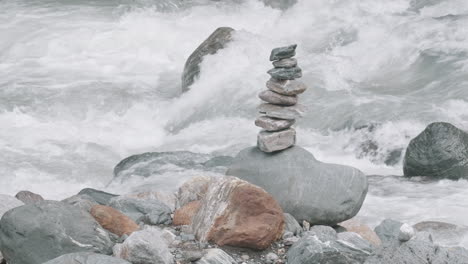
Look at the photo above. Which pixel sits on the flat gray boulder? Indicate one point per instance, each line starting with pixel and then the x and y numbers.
pixel 151 212
pixel 216 41
pixel 86 258
pixel 440 151
pixel 323 245
pixel 35 233
pixel 308 189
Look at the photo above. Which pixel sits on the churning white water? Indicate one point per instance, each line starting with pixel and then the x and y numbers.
pixel 85 83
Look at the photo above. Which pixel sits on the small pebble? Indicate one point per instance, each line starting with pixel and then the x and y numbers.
pixel 406 233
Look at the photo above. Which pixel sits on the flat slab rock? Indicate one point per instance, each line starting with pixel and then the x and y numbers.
pixel 286 73
pixel 286 87
pixel 306 188
pixel 283 52
pixel 273 124
pixel 281 112
pixel 277 99
pixel 285 63
pixel 276 141
pixel 237 213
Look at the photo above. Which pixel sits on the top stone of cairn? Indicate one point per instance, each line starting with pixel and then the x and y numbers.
pixel 283 52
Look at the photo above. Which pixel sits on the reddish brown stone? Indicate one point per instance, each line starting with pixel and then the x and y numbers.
pixel 113 220
pixel 361 229
pixel 184 215
pixel 237 213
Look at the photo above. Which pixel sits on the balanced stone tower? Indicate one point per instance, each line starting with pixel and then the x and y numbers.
pixel 280 110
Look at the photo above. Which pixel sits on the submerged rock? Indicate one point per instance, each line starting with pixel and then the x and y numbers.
pixel 149 212
pixel 237 213
pixel 28 197
pixel 35 233
pixel 113 220
pixel 216 41
pixel 440 151
pixel 322 245
pixel 275 141
pixel 155 163
pixel 86 258
pixel 308 189
pixel 443 233
pixel 280 4
pixel 145 247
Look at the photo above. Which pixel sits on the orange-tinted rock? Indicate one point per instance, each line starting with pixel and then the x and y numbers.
pixel 237 213
pixel 361 229
pixel 113 220
pixel 185 214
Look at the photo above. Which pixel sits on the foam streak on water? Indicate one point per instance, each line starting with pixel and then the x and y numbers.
pixel 86 83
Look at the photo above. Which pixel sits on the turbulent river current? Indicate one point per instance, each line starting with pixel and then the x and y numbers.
pixel 86 83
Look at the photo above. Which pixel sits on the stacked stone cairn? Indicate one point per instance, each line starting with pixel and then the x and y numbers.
pixel 280 110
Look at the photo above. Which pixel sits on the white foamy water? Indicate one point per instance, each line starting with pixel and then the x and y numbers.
pixel 84 84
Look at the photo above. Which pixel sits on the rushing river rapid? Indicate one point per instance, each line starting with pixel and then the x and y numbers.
pixel 86 83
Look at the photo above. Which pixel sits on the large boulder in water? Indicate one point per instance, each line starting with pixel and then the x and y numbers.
pixel 216 41
pixel 308 189
pixel 35 233
pixel 86 258
pixel 440 151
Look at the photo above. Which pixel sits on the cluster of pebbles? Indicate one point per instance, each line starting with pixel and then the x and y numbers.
pixel 280 109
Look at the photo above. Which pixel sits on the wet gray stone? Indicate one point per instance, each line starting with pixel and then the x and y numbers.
pixel 440 151
pixel 285 63
pixel 35 233
pixel 291 224
pixel 325 246
pixel 84 202
pixel 86 258
pixel 100 197
pixel 283 52
pixel 277 99
pixel 151 212
pixel 286 87
pixel 216 41
pixel 275 141
pixel 273 124
pixel 216 256
pixel 281 112
pixel 388 230
pixel 443 233
pixel 308 189
pixel 286 73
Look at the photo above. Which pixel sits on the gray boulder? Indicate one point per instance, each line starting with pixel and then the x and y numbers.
pixel 419 250
pixel 275 141
pixel 28 197
pixel 145 247
pixel 216 41
pixel 388 230
pixel 151 212
pixel 8 202
pixel 86 258
pixel 440 151
pixel 323 245
pixel 283 52
pixel 35 233
pixel 308 189
pixel 216 256
pixel 100 197
pixel 82 201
